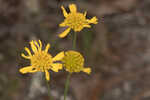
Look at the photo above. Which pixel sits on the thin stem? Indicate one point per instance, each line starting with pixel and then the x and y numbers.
pixel 74 40
pixel 67 85
pixel 48 87
pixel 69 75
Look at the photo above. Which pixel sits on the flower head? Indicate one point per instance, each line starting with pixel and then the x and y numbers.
pixel 75 20
pixel 74 62
pixel 41 60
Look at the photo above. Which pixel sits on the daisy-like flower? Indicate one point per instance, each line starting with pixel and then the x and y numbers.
pixel 41 60
pixel 74 62
pixel 75 20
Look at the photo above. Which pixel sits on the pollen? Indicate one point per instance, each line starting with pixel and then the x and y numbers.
pixel 45 61
pixel 74 62
pixel 76 21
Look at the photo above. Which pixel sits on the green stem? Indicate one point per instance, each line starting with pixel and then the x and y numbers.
pixel 69 75
pixel 74 40
pixel 48 87
pixel 67 85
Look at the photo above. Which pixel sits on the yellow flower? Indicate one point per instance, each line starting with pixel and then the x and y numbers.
pixel 75 20
pixel 74 62
pixel 41 60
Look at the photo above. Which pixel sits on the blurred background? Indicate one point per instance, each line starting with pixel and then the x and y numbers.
pixel 117 49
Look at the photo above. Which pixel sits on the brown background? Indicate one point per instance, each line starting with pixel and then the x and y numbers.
pixel 117 49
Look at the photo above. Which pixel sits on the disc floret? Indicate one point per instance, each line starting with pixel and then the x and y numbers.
pixel 74 62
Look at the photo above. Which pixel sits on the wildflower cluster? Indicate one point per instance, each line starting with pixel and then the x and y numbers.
pixel 71 60
pixel 43 61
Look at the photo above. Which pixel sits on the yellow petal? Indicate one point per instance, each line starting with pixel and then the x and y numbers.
pixel 33 70
pixel 26 57
pixel 28 51
pixel 78 29
pixel 47 47
pixel 63 34
pixel 87 70
pixel 56 67
pixel 26 69
pixel 63 24
pixel 36 44
pixel 85 14
pixel 34 48
pixel 47 75
pixel 59 56
pixel 64 11
pixel 88 26
pixel 93 20
pixel 73 8
pixel 40 44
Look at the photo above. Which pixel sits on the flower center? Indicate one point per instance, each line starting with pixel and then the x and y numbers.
pixel 76 21
pixel 73 61
pixel 41 60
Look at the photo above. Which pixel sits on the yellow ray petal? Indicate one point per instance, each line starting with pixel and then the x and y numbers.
pixel 59 56
pixel 88 26
pixel 73 8
pixel 56 67
pixel 87 70
pixel 40 45
pixel 26 69
pixel 33 70
pixel 78 29
pixel 63 24
pixel 64 11
pixel 47 47
pixel 93 20
pixel 85 13
pixel 28 51
pixel 47 75
pixel 37 45
pixel 34 48
pixel 63 34
pixel 26 57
